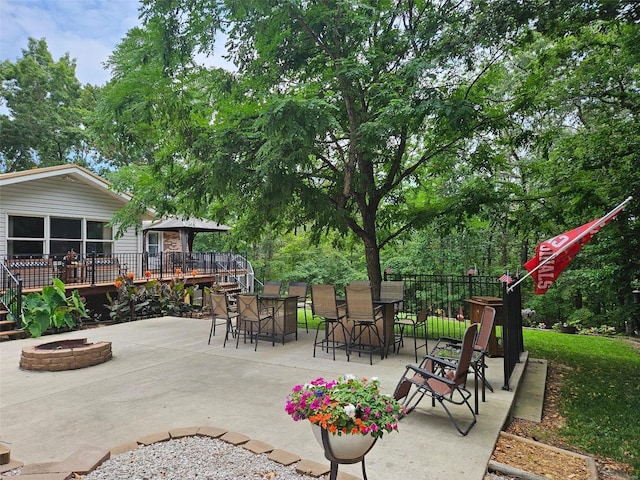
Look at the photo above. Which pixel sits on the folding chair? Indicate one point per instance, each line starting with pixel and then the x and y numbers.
pixel 251 319
pixel 325 306
pixel 220 310
pixel 442 380
pixel 446 345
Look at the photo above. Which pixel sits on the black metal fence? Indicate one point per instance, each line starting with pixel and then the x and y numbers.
pixel 446 298
pixel 512 340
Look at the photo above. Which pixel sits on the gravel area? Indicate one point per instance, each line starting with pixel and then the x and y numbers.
pixel 202 458
pixel 191 458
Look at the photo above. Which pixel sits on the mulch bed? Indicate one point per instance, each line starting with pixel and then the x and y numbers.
pixel 539 461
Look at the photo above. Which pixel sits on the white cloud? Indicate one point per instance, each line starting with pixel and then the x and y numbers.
pixel 88 30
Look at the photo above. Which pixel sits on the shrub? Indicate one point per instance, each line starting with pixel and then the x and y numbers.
pixel 52 309
pixel 152 299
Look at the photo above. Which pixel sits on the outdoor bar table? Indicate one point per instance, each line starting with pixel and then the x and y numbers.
pixel 385 326
pixel 285 310
pixel 388 314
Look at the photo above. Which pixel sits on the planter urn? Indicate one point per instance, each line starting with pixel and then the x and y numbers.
pixel 343 449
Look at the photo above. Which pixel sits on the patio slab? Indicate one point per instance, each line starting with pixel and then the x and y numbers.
pixel 164 377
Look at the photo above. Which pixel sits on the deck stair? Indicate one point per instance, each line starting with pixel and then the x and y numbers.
pixel 7 327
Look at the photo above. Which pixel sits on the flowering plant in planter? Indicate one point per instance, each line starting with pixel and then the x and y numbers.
pixel 346 406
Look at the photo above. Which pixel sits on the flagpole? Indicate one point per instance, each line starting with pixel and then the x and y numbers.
pixel 600 223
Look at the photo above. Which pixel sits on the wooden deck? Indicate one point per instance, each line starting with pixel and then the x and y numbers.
pixel 102 288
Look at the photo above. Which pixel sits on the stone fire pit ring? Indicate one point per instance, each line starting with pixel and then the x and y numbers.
pixel 65 355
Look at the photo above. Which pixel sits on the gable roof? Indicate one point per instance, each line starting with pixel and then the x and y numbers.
pixel 73 172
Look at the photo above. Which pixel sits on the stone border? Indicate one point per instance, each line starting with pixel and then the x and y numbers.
pixel 592 471
pixel 87 458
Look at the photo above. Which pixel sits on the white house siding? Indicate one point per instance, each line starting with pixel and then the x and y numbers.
pixel 61 197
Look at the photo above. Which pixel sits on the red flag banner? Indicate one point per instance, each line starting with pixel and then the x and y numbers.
pixel 553 255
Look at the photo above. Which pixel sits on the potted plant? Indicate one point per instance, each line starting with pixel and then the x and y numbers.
pixel 347 415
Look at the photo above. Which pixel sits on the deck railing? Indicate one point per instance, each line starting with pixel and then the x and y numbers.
pixel 36 272
pixel 11 294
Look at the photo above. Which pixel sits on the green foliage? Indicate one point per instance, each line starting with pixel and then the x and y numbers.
pixel 342 116
pixel 152 299
pixel 582 318
pixel 48 112
pixel 52 309
pixel 599 395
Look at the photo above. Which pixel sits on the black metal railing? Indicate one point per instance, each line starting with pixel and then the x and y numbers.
pixel 446 297
pixel 36 272
pixel 11 295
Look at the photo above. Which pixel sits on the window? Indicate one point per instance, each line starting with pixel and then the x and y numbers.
pixel 99 238
pixel 153 243
pixel 26 236
pixel 66 234
pixel 29 237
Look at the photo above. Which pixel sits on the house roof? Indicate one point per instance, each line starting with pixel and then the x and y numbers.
pixel 191 224
pixel 74 173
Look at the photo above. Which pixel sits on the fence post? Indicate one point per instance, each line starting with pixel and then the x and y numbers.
pixel 511 330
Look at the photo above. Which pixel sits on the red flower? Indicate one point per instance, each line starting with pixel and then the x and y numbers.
pixel 130 275
pixel 147 274
pixel 118 283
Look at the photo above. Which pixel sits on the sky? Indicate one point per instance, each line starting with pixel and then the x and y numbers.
pixel 89 30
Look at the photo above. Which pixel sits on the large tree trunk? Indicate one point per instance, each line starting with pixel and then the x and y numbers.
pixel 372 253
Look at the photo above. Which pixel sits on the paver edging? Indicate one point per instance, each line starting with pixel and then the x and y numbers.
pixel 282 457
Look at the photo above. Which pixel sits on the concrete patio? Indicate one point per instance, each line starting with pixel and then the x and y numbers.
pixel 165 376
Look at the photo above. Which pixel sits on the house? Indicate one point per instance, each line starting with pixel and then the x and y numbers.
pixel 48 212
pixel 55 222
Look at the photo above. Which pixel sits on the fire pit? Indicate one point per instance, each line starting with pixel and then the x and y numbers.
pixel 65 355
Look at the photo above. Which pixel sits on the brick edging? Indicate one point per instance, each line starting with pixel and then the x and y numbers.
pixel 87 458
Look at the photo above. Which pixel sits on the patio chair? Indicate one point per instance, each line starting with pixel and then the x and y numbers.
pixel 365 336
pixel 252 319
pixel 301 290
pixel 221 310
pixel 441 379
pixel 449 347
pixel 325 306
pixel 419 329
pixel 271 289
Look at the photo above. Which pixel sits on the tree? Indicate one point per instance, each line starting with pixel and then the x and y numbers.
pixel 47 111
pixel 342 115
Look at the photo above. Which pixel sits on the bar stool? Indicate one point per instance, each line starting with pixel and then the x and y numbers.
pixel 325 306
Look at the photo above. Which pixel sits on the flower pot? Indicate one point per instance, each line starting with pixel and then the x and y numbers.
pixel 343 448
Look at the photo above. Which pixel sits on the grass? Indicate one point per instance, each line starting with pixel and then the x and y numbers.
pixel 600 395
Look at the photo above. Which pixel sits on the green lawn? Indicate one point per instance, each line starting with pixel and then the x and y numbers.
pixel 600 396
